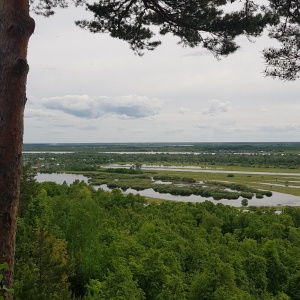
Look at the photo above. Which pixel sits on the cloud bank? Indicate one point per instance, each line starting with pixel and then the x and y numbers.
pixel 87 107
pixel 216 106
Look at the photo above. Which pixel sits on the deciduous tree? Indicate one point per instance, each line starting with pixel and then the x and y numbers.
pixel 195 22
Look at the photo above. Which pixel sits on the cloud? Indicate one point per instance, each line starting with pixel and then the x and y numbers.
pixel 37 113
pixel 58 119
pixel 184 110
pixel 283 128
pixel 216 106
pixel 46 116
pixel 197 53
pixel 86 107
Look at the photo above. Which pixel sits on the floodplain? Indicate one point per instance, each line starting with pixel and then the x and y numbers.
pixel 218 171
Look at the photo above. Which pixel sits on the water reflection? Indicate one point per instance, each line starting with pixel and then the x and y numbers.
pixel 275 200
pixel 60 177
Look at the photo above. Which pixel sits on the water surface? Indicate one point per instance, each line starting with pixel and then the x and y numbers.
pixel 275 200
pixel 60 177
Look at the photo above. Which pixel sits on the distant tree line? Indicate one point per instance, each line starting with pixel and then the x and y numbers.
pixel 90 161
pixel 167 147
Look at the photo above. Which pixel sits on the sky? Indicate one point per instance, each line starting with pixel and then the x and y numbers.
pixel 91 88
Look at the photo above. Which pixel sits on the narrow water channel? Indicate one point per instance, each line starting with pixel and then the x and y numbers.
pixel 275 200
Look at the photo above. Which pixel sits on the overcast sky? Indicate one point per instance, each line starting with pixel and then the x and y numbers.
pixel 85 87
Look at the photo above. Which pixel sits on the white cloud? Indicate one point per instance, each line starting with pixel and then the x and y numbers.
pixel 216 106
pixel 184 110
pixel 87 107
pixel 37 113
pixel 201 52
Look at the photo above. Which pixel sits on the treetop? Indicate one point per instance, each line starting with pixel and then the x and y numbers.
pixel 212 24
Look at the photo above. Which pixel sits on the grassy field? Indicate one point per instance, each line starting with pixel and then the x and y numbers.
pixel 262 181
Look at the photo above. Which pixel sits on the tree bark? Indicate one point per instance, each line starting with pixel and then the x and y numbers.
pixel 16 27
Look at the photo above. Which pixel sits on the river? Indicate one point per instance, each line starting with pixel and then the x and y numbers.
pixel 277 199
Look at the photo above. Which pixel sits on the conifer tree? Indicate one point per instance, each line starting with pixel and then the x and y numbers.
pixel 197 23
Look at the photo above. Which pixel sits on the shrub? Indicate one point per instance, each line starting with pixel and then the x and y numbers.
pixel 244 202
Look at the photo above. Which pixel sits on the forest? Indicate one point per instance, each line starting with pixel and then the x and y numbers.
pixel 74 242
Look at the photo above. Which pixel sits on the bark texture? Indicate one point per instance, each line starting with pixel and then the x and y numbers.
pixel 16 27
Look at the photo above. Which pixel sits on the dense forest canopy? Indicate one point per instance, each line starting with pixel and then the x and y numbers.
pixel 73 240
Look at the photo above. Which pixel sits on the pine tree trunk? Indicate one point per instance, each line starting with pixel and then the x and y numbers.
pixel 16 27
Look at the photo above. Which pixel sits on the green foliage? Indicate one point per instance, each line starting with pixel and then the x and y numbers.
pixel 3 287
pixel 174 179
pixel 195 23
pixel 42 264
pixel 77 166
pixel 283 62
pixel 123 170
pixel 244 202
pixel 117 285
pixel 76 242
pixel 185 186
pixel 28 188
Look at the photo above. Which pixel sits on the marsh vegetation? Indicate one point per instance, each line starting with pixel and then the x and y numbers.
pixel 220 171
